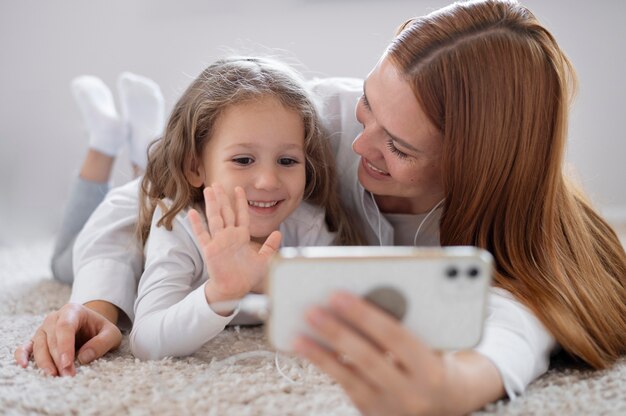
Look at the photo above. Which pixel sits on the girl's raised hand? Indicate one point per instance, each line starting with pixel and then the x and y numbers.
pixel 233 264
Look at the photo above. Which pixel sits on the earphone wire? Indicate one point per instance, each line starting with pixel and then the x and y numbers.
pixel 424 220
pixel 380 237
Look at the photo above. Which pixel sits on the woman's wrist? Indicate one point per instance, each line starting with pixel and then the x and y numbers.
pixel 471 381
pixel 104 308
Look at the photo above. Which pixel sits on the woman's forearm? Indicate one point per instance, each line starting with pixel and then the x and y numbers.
pixel 472 382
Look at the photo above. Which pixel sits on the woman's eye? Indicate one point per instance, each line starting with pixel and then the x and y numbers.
pixel 287 161
pixel 393 149
pixel 366 103
pixel 243 160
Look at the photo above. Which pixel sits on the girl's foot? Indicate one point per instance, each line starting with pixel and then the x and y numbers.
pixel 107 132
pixel 143 109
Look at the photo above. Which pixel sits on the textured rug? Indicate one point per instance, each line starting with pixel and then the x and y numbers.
pixel 235 374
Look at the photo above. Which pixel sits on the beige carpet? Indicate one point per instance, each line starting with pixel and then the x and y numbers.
pixel 215 381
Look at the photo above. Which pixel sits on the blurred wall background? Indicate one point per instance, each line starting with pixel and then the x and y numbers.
pixel 43 45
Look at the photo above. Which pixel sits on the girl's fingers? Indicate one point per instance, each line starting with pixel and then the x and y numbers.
pixel 359 391
pixel 41 354
pixel 228 216
pixel 383 329
pixel 374 365
pixel 271 244
pixel 198 228
pixel 213 216
pixel 23 353
pixel 241 204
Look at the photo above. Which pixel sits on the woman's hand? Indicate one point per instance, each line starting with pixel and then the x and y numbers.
pixel 72 327
pixel 235 266
pixel 386 370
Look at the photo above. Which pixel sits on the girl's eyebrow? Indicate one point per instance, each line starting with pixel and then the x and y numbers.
pixel 287 146
pixel 395 138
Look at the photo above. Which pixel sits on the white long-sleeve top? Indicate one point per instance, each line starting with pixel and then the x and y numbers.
pixel 107 262
pixel 172 316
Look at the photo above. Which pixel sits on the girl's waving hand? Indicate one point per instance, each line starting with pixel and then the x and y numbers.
pixel 234 265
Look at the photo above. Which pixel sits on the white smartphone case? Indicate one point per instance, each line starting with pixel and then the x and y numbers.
pixel 439 294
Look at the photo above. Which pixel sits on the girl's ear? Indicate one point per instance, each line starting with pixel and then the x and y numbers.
pixel 194 173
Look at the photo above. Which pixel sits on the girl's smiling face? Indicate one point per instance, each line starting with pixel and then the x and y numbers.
pixel 258 145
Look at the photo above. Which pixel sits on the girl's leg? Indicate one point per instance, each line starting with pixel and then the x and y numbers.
pixel 141 121
pixel 85 196
pixel 107 134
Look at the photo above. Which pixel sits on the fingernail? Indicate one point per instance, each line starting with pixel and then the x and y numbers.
pixel 341 301
pixel 49 371
pixel 65 360
pixel 87 356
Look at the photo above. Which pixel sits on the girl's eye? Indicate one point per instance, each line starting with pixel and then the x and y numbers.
pixel 287 161
pixel 393 149
pixel 244 161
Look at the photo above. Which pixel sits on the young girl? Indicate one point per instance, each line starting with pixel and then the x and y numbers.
pixel 245 131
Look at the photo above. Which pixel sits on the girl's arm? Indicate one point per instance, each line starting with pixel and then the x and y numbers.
pixel 176 307
pixel 172 315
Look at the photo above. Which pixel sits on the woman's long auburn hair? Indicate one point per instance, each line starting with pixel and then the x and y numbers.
pixel 498 87
pixel 225 83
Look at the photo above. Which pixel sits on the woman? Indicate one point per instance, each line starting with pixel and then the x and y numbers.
pixel 463 126
pixel 469 105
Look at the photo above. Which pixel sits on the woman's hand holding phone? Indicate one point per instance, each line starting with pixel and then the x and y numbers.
pixel 385 369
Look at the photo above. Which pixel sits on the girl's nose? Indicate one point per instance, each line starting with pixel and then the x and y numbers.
pixel 267 179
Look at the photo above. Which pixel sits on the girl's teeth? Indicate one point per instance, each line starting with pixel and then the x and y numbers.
pixel 262 204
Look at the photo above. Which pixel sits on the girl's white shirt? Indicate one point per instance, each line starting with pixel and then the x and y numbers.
pixel 108 263
pixel 172 316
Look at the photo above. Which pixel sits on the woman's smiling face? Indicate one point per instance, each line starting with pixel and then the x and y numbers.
pixel 400 148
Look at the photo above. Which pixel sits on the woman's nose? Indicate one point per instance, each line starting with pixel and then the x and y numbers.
pixel 365 145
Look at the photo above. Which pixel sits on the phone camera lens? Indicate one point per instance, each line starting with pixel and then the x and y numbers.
pixel 452 272
pixel 473 272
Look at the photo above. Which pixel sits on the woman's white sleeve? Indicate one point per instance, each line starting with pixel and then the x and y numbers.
pixel 172 316
pixel 515 341
pixel 107 258
pixel 337 98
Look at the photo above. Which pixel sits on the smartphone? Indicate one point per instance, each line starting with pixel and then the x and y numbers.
pixel 439 294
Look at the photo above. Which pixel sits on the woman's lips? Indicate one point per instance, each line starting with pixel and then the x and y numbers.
pixel 373 170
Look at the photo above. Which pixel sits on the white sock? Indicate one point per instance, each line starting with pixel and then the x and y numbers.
pixel 107 132
pixel 143 109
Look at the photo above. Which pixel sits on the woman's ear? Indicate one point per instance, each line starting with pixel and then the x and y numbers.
pixel 194 173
